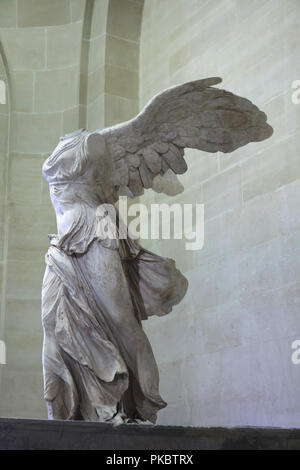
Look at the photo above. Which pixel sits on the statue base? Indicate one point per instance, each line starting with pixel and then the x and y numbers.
pixel 34 434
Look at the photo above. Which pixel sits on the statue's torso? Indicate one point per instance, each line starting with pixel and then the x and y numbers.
pixel 75 192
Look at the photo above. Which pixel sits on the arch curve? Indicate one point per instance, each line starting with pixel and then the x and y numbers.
pixel 109 82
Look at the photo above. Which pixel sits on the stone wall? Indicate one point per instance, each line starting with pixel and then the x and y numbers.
pixel 42 44
pixel 110 62
pixel 225 353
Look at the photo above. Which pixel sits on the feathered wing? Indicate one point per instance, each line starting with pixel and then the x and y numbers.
pixel 194 115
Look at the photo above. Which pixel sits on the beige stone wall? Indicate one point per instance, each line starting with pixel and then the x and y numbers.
pixel 92 72
pixel 225 353
pixel 122 60
pixel 110 62
pixel 42 43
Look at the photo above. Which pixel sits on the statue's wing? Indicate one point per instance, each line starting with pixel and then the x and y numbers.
pixel 193 115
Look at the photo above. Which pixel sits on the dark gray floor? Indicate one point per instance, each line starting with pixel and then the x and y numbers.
pixel 38 434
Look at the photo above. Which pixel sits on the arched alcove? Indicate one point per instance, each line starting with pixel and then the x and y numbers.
pixel 124 22
pixel 109 85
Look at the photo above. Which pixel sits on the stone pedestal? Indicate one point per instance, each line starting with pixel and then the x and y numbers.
pixel 40 434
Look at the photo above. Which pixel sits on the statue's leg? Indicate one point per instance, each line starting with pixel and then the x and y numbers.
pixel 60 394
pixel 102 269
pixel 84 373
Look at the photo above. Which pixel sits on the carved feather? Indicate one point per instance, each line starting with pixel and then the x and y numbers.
pixel 194 115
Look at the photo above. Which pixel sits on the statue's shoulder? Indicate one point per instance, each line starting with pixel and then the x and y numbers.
pixel 68 156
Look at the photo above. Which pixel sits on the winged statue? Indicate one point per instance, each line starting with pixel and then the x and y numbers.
pixel 98 364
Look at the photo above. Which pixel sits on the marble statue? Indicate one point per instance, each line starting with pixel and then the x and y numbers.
pixel 98 363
